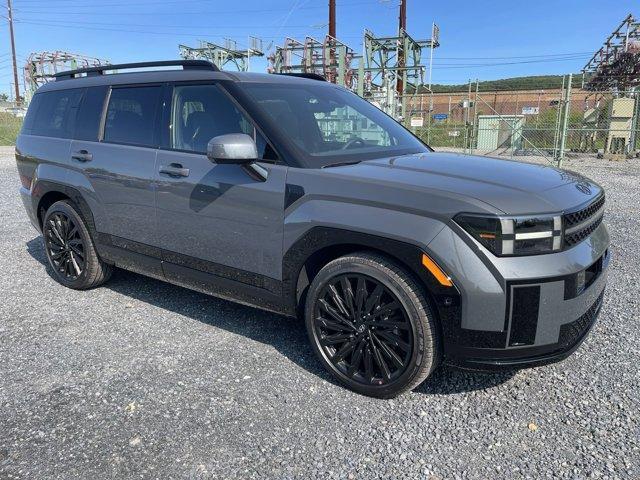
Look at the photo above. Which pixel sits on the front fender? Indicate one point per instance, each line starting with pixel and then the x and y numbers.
pixel 371 219
pixel 320 223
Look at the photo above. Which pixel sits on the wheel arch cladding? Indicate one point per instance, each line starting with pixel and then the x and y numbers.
pixel 46 201
pixel 320 245
pixel 46 193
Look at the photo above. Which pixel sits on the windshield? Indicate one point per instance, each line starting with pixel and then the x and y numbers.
pixel 329 125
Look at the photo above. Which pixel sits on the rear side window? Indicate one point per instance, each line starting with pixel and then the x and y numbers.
pixel 53 114
pixel 90 114
pixel 131 115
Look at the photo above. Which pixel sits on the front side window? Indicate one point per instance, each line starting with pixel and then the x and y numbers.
pixel 330 125
pixel 202 112
pixel 131 115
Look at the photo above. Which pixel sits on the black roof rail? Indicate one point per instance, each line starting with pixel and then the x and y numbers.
pixel 311 76
pixel 99 70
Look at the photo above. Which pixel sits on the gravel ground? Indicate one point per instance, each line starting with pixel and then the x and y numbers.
pixel 140 379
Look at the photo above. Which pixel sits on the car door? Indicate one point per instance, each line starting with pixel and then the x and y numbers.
pixel 220 219
pixel 120 163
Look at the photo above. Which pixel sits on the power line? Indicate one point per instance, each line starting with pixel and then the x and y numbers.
pixel 120 24
pixel 516 56
pixel 146 32
pixel 295 5
pixel 82 2
pixel 474 65
pixel 101 12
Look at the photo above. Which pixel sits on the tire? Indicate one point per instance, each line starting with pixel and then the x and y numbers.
pixel 392 324
pixel 70 250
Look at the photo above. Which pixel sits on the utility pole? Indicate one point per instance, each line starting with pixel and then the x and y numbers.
pixel 474 133
pixel 565 120
pixel 248 53
pixel 467 108
pixel 556 138
pixel 332 34
pixel 332 18
pixel 13 52
pixel 403 15
pixel 402 27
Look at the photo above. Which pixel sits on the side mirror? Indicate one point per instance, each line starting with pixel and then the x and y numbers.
pixel 236 148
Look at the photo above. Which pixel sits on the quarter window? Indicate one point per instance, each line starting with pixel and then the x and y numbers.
pixel 54 113
pixel 131 115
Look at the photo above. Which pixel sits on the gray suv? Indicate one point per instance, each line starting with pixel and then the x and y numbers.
pixel 291 194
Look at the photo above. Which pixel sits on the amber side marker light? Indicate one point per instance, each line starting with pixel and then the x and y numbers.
pixel 436 271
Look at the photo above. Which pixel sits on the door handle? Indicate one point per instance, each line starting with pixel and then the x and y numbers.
pixel 174 170
pixel 82 156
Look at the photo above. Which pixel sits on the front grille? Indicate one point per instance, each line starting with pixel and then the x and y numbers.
pixel 571 333
pixel 571 219
pixel 571 239
pixel 589 217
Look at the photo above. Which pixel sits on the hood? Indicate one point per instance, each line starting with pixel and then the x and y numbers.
pixel 509 186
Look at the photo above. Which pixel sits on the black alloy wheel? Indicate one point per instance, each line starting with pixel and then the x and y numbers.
pixel 64 246
pixel 363 329
pixel 70 249
pixel 371 325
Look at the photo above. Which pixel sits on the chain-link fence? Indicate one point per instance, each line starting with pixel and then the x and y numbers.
pixel 604 123
pixel 550 124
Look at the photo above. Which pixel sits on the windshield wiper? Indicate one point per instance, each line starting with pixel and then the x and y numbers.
pixel 341 164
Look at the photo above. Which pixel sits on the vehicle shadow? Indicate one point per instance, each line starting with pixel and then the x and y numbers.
pixel 448 380
pixel 287 335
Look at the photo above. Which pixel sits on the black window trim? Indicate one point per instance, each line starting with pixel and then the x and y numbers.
pixel 105 99
pixel 165 143
pixel 156 116
pixel 103 115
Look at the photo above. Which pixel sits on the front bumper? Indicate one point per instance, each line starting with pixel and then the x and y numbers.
pixel 521 311
pixel 571 337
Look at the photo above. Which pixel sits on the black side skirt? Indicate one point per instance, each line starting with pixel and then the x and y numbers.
pixel 207 277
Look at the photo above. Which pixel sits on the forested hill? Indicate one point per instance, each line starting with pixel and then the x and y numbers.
pixel 539 82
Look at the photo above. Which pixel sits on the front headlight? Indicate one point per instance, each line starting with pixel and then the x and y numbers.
pixel 521 235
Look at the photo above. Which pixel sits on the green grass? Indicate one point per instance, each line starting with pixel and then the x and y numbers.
pixel 9 128
pixel 438 135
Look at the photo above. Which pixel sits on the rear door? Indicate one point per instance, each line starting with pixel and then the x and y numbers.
pixel 220 219
pixel 116 152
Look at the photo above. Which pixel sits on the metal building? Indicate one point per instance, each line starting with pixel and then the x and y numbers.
pixel 499 131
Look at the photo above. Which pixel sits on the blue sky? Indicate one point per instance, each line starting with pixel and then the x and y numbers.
pixel 483 39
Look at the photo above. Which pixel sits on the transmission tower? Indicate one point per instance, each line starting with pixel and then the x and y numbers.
pixel 616 66
pixel 40 67
pixel 391 69
pixel 225 56
pixel 330 58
